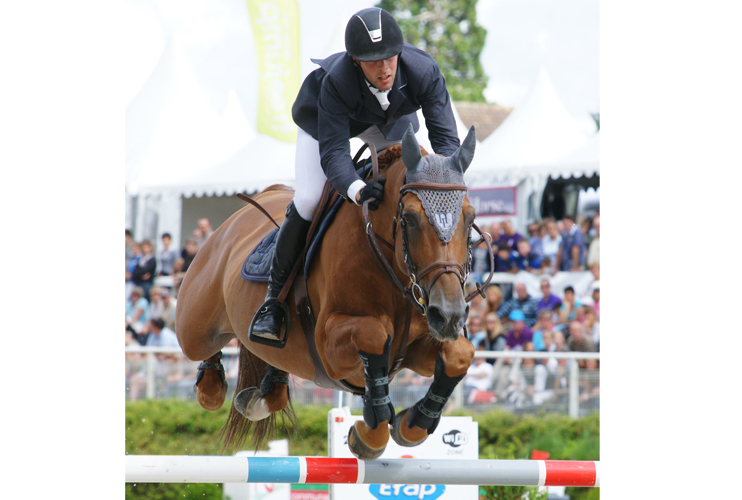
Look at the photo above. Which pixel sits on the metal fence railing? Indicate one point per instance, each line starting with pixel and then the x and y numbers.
pixel 520 382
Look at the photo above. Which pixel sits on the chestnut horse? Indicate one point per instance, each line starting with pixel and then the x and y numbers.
pixel 360 312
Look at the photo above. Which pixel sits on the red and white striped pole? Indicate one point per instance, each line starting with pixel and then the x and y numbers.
pixel 228 469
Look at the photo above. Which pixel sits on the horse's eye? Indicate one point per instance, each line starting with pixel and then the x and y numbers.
pixel 409 219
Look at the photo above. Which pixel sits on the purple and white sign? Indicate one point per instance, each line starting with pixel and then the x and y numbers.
pixel 494 200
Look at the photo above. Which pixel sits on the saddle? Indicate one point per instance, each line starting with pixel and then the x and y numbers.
pixel 257 268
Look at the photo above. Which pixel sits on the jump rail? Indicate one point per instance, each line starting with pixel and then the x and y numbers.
pixel 229 469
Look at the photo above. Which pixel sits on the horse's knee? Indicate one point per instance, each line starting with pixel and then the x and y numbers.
pixel 458 356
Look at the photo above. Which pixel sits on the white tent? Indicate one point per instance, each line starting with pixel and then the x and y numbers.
pixel 538 140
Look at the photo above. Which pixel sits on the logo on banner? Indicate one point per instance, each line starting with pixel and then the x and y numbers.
pixel 455 438
pixel 407 491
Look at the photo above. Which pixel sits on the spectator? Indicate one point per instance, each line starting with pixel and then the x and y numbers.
pixel 551 241
pixel 496 339
pixel 560 342
pixel 480 259
pixel 137 311
pixel 592 326
pixel 167 256
pixel 128 241
pixel 493 301
pixel 523 302
pixel 205 227
pixel 478 381
pixel 586 226
pixel 526 259
pixel 136 254
pixel 534 239
pixel 509 235
pixel 571 308
pixel 596 298
pixel 188 253
pixel 165 308
pixel 547 267
pixel 578 341
pixel 495 232
pixel 505 260
pixel 549 300
pixel 144 272
pixel 520 334
pixel 572 251
pixel 593 251
pixel 160 335
pixel 542 326
pixel 477 335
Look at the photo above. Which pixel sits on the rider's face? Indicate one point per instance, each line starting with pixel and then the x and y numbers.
pixel 380 73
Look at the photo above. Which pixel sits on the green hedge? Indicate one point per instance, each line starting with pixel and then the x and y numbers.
pixel 173 427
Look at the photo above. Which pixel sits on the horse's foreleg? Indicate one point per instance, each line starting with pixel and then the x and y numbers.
pixel 413 425
pixel 368 437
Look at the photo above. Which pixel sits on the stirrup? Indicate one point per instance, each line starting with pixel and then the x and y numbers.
pixel 278 344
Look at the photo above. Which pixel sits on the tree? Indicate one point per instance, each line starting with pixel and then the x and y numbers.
pixel 448 31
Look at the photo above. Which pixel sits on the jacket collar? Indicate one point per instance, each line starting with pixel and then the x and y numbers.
pixel 396 95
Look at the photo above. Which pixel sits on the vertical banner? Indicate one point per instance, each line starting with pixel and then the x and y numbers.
pixel 275 26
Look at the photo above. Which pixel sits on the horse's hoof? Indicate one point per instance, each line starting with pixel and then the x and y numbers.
pixel 400 419
pixel 250 405
pixel 361 450
pixel 211 402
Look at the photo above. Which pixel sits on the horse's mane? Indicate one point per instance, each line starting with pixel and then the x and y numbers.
pixel 392 154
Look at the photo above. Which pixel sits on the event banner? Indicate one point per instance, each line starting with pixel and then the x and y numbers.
pixel 493 201
pixel 275 26
pixel 454 438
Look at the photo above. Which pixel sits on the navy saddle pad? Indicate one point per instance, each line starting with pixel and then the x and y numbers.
pixel 257 266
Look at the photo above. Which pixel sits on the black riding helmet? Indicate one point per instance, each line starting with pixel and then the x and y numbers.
pixel 372 35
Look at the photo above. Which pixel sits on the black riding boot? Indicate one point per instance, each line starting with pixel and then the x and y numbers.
pixel 290 243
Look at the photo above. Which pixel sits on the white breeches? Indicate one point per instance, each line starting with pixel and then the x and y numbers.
pixel 311 179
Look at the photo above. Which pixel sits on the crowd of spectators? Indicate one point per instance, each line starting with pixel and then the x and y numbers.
pixel 505 320
pixel 554 321
pixel 150 309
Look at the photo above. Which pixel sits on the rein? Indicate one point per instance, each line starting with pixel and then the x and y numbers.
pixel 415 293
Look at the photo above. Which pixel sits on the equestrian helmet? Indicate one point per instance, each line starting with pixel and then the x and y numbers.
pixel 372 35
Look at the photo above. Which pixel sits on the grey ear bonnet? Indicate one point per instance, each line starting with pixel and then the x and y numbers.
pixel 443 208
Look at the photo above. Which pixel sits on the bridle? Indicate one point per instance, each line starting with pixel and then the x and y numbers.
pixel 415 293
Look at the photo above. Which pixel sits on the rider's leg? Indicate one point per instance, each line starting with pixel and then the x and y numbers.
pixel 310 182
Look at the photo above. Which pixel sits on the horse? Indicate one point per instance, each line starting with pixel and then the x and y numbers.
pixel 364 316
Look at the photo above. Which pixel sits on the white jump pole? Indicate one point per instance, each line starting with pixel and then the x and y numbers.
pixel 229 469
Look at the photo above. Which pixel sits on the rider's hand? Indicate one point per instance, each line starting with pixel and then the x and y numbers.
pixel 374 189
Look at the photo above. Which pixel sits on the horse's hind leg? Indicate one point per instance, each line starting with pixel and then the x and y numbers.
pixel 413 425
pixel 272 396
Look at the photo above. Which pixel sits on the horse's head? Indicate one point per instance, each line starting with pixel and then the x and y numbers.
pixel 434 222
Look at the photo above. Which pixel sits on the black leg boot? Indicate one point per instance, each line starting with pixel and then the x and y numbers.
pixel 289 245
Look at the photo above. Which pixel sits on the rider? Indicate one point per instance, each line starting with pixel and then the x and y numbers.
pixel 371 91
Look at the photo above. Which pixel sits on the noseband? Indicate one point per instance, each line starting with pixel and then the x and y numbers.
pixel 415 293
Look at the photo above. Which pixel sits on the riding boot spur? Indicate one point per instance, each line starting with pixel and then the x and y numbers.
pixel 377 403
pixel 426 413
pixel 289 245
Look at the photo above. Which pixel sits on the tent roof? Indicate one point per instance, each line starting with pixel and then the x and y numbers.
pixel 537 132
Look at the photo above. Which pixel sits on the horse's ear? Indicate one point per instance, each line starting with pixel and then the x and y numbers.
pixel 464 155
pixel 411 156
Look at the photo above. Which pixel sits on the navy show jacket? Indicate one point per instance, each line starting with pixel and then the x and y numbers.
pixel 335 104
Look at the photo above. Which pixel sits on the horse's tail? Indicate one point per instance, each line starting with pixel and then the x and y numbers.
pixel 235 430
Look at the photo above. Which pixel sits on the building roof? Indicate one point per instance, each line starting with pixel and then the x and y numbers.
pixel 485 117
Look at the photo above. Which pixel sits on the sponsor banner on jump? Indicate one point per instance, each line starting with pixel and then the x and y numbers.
pixel 275 26
pixel 454 438
pixel 494 200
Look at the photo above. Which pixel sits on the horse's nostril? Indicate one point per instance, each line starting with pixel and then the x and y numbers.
pixel 435 317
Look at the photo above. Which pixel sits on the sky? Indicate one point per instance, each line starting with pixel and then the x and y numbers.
pixel 561 35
